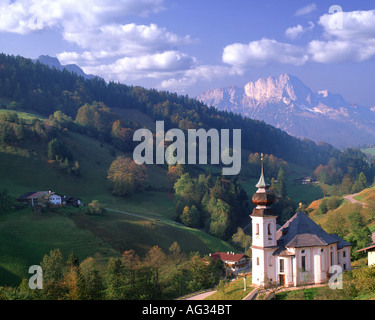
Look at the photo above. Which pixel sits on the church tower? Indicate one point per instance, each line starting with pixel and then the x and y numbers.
pixel 263 233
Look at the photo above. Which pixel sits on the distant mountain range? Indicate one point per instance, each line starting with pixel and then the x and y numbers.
pixel 287 103
pixel 54 62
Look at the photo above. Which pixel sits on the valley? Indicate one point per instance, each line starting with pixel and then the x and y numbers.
pixel 66 137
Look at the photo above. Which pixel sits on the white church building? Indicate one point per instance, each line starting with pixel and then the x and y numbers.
pixel 300 252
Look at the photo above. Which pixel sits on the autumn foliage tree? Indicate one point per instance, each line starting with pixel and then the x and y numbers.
pixel 126 176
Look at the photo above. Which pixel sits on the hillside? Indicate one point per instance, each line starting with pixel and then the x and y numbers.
pixel 352 219
pixel 27 237
pixel 35 86
pixel 285 102
pixel 62 132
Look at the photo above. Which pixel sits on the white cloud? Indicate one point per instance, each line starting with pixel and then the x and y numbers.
pixel 116 40
pixel 354 25
pixel 261 53
pixel 182 81
pixel 25 16
pixel 353 42
pixel 341 51
pixel 351 37
pixel 306 10
pixel 295 32
pixel 147 66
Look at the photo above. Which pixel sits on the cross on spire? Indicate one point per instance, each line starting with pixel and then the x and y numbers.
pixel 262 183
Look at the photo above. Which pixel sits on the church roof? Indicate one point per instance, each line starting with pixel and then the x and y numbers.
pixel 301 231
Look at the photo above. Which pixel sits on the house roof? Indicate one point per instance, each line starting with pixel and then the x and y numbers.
pixel 37 194
pixel 232 257
pixel 370 247
pixel 26 195
pixel 301 231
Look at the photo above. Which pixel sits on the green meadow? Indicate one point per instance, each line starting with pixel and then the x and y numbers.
pixel 27 237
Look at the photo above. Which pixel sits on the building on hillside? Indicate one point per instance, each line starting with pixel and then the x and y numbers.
pixel 233 262
pixel 370 253
pixel 42 198
pixel 300 252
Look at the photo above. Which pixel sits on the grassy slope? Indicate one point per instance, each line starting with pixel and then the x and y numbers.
pixel 369 151
pixel 26 237
pixel 368 212
pixel 233 290
pixel 26 169
pixel 23 170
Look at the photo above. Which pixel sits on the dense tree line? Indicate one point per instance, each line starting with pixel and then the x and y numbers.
pixel 349 170
pixel 218 207
pixel 157 275
pixel 37 87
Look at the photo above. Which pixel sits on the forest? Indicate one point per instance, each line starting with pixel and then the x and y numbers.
pixel 36 87
pixel 159 275
pixel 70 102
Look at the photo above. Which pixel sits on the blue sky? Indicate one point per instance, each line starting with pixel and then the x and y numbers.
pixel 190 46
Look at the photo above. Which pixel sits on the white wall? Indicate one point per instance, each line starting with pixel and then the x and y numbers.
pixel 54 199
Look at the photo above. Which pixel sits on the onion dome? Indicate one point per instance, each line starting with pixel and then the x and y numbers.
pixel 263 198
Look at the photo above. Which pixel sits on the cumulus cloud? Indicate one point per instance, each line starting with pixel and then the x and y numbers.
pixel 182 81
pixel 25 16
pixel 263 52
pixel 354 25
pixel 348 37
pixel 295 32
pixel 115 40
pixel 106 46
pixel 351 37
pixel 306 9
pixel 146 66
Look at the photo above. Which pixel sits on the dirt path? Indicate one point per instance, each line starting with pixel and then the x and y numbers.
pixel 351 199
pixel 201 296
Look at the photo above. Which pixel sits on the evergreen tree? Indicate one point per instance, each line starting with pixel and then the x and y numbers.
pixel 281 184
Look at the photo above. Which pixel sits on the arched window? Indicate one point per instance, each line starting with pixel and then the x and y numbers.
pixel 269 231
pixel 257 229
pixel 303 260
pixel 257 261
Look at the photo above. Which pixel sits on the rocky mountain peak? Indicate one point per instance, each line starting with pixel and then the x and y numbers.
pixel 277 88
pixel 285 102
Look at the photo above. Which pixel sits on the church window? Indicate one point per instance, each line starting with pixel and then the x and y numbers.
pixel 269 232
pixel 257 261
pixel 344 254
pixel 303 263
pixel 270 261
pixel 281 265
pixel 331 258
pixel 257 229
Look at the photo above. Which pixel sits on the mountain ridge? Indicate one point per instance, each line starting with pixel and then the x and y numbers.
pixel 285 102
pixel 54 62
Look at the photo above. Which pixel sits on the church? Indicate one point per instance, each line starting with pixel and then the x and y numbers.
pixel 300 252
